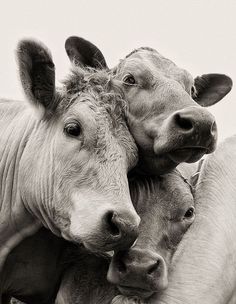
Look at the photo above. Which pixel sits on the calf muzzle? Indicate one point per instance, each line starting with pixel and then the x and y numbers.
pixel 138 272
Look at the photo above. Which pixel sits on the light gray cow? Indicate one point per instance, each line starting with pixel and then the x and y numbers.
pixel 165 114
pixel 64 154
pixel 204 266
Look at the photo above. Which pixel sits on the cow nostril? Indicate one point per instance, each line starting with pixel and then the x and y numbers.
pixel 183 122
pixel 111 224
pixel 121 267
pixel 154 267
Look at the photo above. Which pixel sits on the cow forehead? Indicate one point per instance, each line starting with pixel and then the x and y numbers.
pixel 176 190
pixel 164 195
pixel 150 63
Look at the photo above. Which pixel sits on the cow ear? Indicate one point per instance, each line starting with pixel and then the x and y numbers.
pixel 81 51
pixel 211 88
pixel 37 73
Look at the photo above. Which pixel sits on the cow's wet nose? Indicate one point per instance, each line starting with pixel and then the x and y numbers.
pixel 121 229
pixel 138 269
pixel 197 125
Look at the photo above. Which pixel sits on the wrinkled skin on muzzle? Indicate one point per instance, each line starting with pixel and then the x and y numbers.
pixel 73 172
pixel 166 207
pixel 166 114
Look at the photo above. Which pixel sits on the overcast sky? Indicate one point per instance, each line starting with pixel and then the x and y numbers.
pixel 198 35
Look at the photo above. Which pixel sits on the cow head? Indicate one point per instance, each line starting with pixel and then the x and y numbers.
pixel 166 207
pixel 166 114
pixel 73 173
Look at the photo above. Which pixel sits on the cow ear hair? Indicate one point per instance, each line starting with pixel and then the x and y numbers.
pixel 37 73
pixel 83 52
pixel 211 88
pixel 194 178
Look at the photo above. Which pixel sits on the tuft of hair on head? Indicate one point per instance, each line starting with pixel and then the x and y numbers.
pixel 142 48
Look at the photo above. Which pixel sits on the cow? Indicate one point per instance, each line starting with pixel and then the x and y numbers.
pixel 166 114
pixel 204 265
pixel 166 207
pixel 63 154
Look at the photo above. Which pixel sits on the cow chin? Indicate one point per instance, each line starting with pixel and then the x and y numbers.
pixel 137 292
pixel 186 154
pixel 166 162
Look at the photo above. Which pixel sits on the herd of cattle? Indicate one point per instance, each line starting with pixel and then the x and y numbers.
pixel 98 203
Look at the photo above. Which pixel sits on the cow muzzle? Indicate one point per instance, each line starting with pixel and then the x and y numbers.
pixel 187 135
pixel 103 226
pixel 138 272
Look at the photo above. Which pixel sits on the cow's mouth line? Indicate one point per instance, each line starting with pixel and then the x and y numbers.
pixel 194 149
pixel 187 154
pixel 135 291
pixel 163 150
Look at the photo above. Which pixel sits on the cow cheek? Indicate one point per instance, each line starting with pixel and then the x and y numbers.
pixel 178 230
pixel 86 215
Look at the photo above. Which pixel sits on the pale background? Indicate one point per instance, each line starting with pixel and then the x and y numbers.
pixel 199 35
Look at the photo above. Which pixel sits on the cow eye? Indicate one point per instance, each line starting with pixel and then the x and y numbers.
pixel 73 129
pixel 129 79
pixel 189 213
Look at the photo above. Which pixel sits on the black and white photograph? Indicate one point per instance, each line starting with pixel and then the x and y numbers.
pixel 118 152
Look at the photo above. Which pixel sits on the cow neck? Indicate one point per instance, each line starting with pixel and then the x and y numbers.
pixel 16 223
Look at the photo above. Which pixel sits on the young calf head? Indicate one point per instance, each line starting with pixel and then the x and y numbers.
pixel 73 173
pixel 166 116
pixel 165 205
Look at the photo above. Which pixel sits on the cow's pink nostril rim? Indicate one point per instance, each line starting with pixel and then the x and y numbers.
pixel 112 226
pixel 154 267
pixel 182 122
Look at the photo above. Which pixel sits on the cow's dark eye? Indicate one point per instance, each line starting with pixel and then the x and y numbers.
pixel 129 79
pixel 189 213
pixel 73 129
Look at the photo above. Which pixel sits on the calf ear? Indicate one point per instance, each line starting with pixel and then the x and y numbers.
pixel 37 73
pixel 81 51
pixel 211 88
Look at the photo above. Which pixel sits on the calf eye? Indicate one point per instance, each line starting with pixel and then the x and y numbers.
pixel 72 129
pixel 190 213
pixel 129 79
